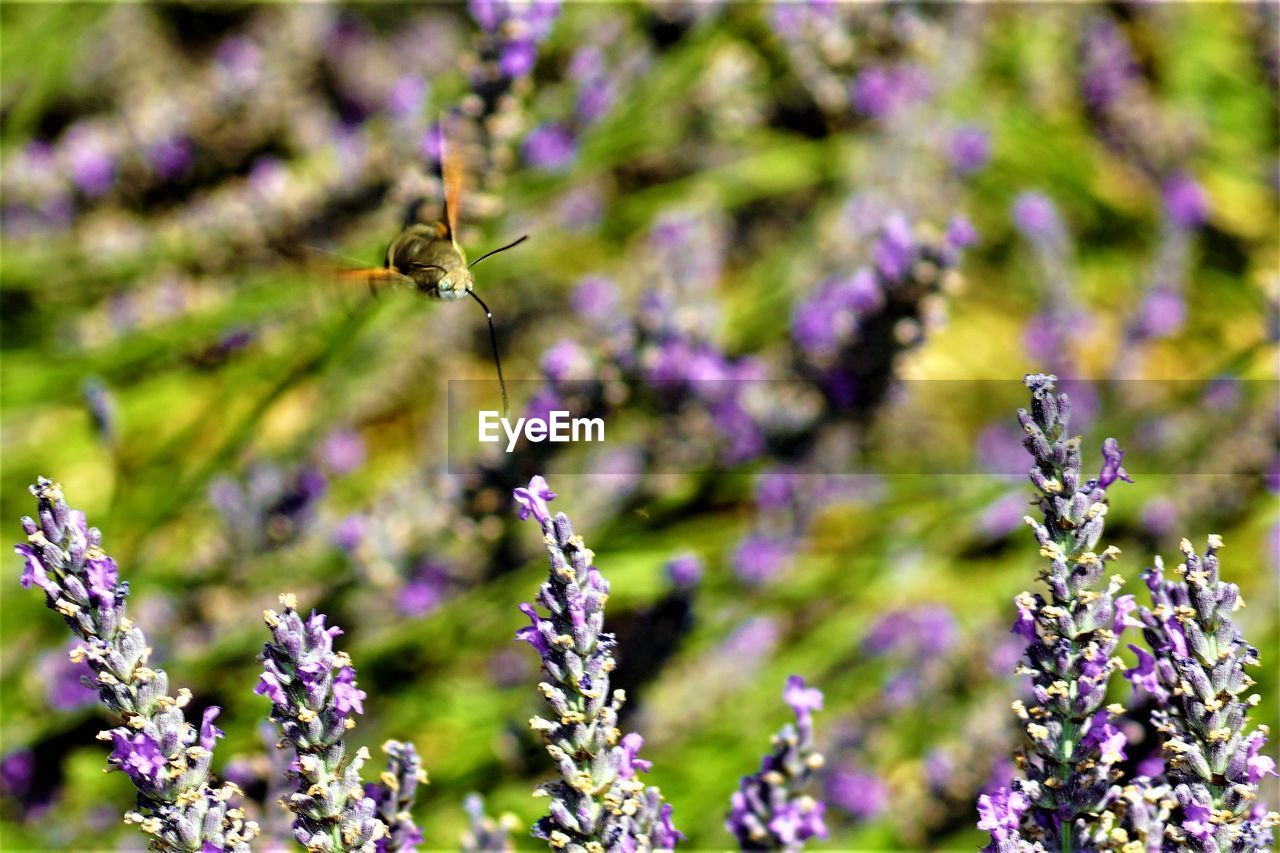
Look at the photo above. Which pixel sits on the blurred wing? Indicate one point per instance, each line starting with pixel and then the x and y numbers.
pixel 349 270
pixel 450 176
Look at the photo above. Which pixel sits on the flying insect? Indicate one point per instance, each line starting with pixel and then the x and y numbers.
pixel 427 256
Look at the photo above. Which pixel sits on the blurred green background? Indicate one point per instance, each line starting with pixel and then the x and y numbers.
pixel 168 360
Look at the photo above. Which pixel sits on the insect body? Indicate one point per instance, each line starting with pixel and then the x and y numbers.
pixel 428 255
pixel 436 264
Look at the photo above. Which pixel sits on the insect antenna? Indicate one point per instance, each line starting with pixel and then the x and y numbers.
pixel 510 245
pixel 493 341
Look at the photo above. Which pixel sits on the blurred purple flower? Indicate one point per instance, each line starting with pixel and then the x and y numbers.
pixel 549 147
pixel 92 165
pixel 880 90
pixel 596 298
pixel 407 96
pixel 759 557
pixel 1037 217
pixel 685 570
pixel 969 149
pixel 1162 313
pixel 17 770
pixel 425 591
pixel 857 793
pixel 343 451
pixel 1185 203
pixel 171 158
pixel 62 677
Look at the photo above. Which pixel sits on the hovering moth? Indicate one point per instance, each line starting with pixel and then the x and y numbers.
pixel 427 257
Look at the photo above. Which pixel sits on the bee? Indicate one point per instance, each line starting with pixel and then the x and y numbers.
pixel 427 257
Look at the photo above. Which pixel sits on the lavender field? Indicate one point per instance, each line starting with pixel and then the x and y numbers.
pixel 935 501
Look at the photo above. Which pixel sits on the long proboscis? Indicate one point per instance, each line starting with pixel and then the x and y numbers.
pixel 490 254
pixel 497 361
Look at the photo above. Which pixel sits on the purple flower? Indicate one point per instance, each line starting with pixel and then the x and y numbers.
pixel 803 700
pixel 857 793
pixel 1197 655
pixel 895 251
pixel 176 804
pixel 1162 313
pixel 1112 456
pixel 139 757
pixel 209 733
pixel 596 299
pixel 171 158
pixel 395 795
pixel 880 90
pixel 1077 665
pixel 343 451
pixel 65 679
pixel 424 592
pixel 92 165
pixel 313 695
pixel 969 149
pixel 1185 202
pixel 533 500
pixel 17 769
pixel 1000 813
pixel 760 557
pixel 769 810
pixel 960 233
pixel 407 96
pixel 549 147
pixel 567 361
pixel 581 735
pixel 685 570
pixel 1037 217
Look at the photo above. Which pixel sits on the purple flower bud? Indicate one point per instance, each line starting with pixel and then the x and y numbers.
pixel 533 500
pixel 139 757
pixel 685 570
pixel 760 557
pixel 1000 813
pixel 596 298
pixel 343 451
pixel 407 96
pixel 1185 202
pixel 1037 217
pixel 969 149
pixel 856 792
pixel 1111 468
pixel 549 147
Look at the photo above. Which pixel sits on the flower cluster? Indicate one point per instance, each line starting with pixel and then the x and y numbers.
pixel 1073 749
pixel 769 810
pixel 313 696
pixel 167 759
pixel 484 834
pixel 1128 117
pixel 1204 796
pixel 598 803
pixel 1195 671
pixel 394 796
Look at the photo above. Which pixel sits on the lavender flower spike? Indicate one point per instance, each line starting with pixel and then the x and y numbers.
pixel 1071 756
pixel 313 695
pixel 165 757
pixel 395 795
pixel 1198 679
pixel 598 803
pixel 768 812
pixel 486 835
